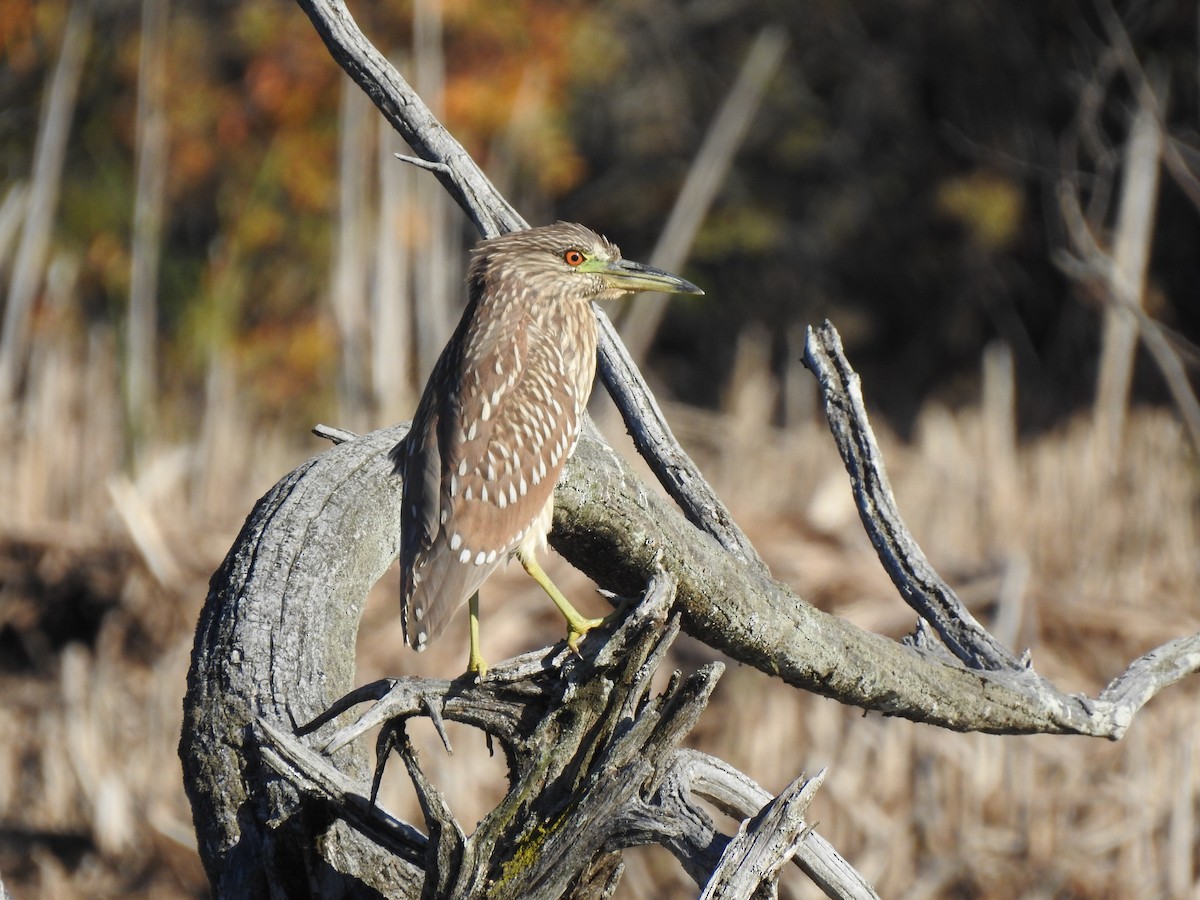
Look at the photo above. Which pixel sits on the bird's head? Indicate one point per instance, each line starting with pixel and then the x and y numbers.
pixel 566 262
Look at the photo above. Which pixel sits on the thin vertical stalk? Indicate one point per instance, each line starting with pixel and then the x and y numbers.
pixel 142 323
pixel 348 291
pixel 49 155
pixel 433 267
pixel 639 319
pixel 1131 256
pixel 391 308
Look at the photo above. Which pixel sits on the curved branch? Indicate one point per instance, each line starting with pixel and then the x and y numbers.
pixel 275 643
pixel 608 525
pixel 920 586
pixel 275 638
pixel 1146 676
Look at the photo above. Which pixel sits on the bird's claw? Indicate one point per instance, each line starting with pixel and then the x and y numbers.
pixel 576 631
pixel 478 668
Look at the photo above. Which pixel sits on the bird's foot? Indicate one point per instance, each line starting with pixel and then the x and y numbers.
pixel 577 628
pixel 475 664
pixel 477 667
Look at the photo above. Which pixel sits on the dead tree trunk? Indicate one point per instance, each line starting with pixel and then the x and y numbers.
pixel 595 760
pixel 275 644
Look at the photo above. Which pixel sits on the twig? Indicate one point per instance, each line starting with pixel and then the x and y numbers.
pixel 1144 679
pixel 425 164
pixel 336 435
pixel 318 777
pixel 917 581
pixel 1123 50
pixel 1088 262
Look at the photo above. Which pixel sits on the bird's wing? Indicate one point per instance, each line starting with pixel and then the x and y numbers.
pixel 417 459
pixel 495 470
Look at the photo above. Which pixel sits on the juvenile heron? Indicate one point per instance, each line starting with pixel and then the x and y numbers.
pixel 499 418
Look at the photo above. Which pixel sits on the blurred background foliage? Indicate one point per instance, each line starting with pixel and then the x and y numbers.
pixel 898 178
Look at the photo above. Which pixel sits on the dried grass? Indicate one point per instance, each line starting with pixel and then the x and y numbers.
pixel 1089 562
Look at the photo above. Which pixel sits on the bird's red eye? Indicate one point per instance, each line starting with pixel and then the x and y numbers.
pixel 574 257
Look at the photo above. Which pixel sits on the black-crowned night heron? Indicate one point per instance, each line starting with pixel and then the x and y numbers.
pixel 499 418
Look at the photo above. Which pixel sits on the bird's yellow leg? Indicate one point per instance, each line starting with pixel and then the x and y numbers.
pixel 577 625
pixel 475 664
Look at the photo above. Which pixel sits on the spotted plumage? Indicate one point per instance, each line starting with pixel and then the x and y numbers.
pixel 500 416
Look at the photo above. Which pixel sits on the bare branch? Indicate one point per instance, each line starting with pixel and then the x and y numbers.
pixel 1089 263
pixel 423 163
pixel 920 586
pixel 1146 676
pixel 654 441
pixel 738 796
pixel 334 435
pixel 313 772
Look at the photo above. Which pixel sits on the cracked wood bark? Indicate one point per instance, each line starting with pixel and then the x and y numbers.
pixel 587 775
pixel 274 647
pixel 275 642
pixel 596 768
pixel 751 862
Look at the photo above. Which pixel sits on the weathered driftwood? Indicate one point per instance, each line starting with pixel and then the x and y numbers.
pixel 275 644
pixel 276 638
pixel 1046 708
pixel 274 648
pixel 596 768
pixel 272 651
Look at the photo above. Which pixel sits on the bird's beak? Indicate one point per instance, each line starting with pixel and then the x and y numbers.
pixel 624 275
